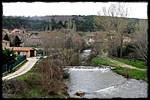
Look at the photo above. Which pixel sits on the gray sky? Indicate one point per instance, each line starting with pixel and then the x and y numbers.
pixel 136 10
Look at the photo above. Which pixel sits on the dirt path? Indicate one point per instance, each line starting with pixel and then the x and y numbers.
pixel 125 65
pixel 25 68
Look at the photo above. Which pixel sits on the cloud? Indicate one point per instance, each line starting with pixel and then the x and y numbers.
pixel 138 10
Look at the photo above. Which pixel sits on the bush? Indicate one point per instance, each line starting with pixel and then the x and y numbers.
pixel 131 73
pixel 51 76
pixel 65 55
pixel 13 87
pixel 100 61
pixel 133 62
pixel 74 59
pixel 8 56
pixel 44 80
pixel 129 51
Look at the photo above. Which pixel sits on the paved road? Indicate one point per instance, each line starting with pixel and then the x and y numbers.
pixel 25 68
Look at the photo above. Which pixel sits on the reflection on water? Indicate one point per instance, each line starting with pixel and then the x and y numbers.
pixel 103 83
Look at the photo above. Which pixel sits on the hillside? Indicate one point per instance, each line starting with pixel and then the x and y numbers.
pixel 41 23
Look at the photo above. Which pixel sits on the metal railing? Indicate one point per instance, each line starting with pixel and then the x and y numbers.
pixel 8 67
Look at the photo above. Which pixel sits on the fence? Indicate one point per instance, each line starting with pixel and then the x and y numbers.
pixel 9 67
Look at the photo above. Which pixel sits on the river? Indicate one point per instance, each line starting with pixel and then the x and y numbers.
pixel 98 82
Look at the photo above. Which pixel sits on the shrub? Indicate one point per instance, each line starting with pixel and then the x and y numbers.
pixel 51 76
pixel 44 80
pixel 8 56
pixel 12 87
pixel 74 59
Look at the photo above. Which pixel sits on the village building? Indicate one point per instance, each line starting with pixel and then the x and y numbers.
pixel 5 44
pixel 21 33
pixel 28 51
pixel 33 40
pixel 18 31
pixel 4 32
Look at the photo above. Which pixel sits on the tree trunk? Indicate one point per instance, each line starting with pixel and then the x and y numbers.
pixel 121 45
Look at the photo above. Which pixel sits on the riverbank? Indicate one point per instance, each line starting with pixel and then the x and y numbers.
pixel 123 68
pixel 44 80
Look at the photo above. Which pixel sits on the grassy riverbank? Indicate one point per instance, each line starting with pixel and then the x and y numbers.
pixel 127 72
pixel 44 80
pixel 133 62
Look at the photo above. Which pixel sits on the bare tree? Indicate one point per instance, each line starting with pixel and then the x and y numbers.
pixel 141 41
pixel 114 22
pixel 52 41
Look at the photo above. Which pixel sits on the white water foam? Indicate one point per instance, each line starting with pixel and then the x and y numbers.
pixel 106 90
pixel 90 69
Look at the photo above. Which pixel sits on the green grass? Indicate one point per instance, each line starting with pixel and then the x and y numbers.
pixel 102 61
pixel 32 93
pixel 133 62
pixel 132 73
pixel 34 90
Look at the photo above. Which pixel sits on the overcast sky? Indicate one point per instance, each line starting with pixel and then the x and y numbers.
pixel 137 10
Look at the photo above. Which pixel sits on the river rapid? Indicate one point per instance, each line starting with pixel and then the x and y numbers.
pixel 102 82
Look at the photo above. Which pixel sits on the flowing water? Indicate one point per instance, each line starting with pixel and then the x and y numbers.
pixel 103 83
pixel 84 56
pixel 98 82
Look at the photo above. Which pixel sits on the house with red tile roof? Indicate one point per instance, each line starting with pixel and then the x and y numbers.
pixel 28 51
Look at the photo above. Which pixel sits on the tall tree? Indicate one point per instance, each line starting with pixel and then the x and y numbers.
pixel 17 41
pixel 114 23
pixel 54 24
pixel 69 24
pixel 60 24
pixel 74 26
pixel 8 56
pixel 141 39
pixel 6 37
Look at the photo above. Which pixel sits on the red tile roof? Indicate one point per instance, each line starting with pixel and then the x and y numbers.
pixel 21 48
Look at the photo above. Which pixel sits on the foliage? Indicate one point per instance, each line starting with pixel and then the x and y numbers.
pixel 17 41
pixel 53 24
pixel 6 38
pixel 13 87
pixel 44 80
pixel 10 67
pixel 127 50
pixel 69 42
pixel 101 61
pixel 130 73
pixel 133 62
pixel 8 56
pixel 79 23
pixel 19 22
pixel 66 55
pixel 141 39
pixel 115 24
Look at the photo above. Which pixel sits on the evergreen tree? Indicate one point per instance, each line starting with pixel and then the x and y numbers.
pixel 8 56
pixel 17 41
pixel 6 38
pixel 60 24
pixel 53 24
pixel 74 26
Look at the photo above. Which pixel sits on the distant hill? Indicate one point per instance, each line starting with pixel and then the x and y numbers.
pixel 40 23
pixel 56 17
